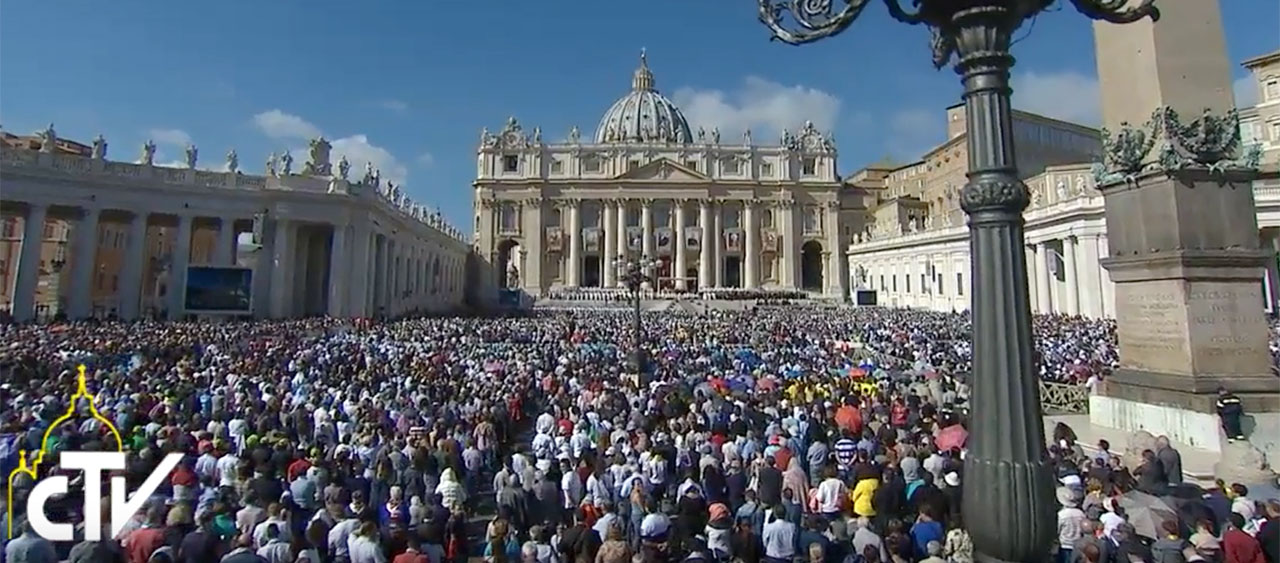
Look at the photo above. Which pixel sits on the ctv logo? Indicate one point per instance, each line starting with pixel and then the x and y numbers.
pixel 93 464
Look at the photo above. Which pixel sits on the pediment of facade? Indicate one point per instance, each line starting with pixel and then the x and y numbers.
pixel 666 171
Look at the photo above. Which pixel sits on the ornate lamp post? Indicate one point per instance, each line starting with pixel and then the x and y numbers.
pixel 1009 503
pixel 633 274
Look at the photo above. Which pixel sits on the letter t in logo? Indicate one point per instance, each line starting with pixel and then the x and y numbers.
pixel 93 464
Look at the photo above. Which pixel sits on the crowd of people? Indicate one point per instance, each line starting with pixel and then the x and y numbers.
pixel 775 435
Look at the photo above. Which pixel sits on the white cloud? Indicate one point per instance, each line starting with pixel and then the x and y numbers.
pixel 394 106
pixel 913 132
pixel 1246 91
pixel 280 125
pixel 1066 95
pixel 764 106
pixel 174 137
pixel 426 160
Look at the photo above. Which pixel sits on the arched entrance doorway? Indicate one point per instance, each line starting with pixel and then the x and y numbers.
pixel 507 266
pixel 811 266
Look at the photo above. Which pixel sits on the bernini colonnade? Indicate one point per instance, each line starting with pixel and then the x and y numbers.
pixel 321 243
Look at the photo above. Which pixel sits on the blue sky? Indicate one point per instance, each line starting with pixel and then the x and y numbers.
pixel 409 84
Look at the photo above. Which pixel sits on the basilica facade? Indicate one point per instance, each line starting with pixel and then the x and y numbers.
pixel 710 212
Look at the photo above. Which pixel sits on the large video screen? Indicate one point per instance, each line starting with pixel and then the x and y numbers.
pixel 865 298
pixel 213 289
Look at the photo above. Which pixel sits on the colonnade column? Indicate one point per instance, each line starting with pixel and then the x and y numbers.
pixel 575 244
pixel 794 242
pixel 339 271
pixel 623 244
pixel 704 251
pixel 130 296
pixel 717 259
pixel 1271 289
pixel 836 271
pixel 782 224
pixel 677 238
pixel 1091 286
pixel 751 264
pixel 358 292
pixel 1073 277
pixel 1108 286
pixel 281 256
pixel 84 260
pixel 224 253
pixel 1042 278
pixel 178 262
pixel 1032 286
pixel 609 228
pixel 646 222
pixel 24 288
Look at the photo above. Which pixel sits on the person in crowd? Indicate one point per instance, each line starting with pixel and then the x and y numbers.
pixel 1230 413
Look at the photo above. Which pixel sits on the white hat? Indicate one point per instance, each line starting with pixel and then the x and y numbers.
pixel 952 479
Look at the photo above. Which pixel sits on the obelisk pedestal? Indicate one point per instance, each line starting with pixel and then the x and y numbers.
pixel 1182 231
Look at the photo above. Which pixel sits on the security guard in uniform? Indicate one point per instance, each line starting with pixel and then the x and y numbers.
pixel 1230 411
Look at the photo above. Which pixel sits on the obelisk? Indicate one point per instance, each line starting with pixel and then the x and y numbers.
pixel 1183 244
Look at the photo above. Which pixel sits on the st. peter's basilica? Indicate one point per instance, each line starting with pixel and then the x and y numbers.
pixel 712 212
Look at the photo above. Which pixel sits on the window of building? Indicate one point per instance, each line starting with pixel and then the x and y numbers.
pixel 48 230
pixel 811 224
pixel 10 228
pixel 632 165
pixel 895 283
pixel 809 166
pixel 923 284
pixel 1275 132
pixel 591 164
pixel 691 164
pixel 938 282
pixel 557 167
pixel 766 169
pixel 731 166
pixel 882 286
pixel 101 282
pixel 510 163
pixel 4 269
pixel 1272 90
pixel 906 279
pixel 115 282
pixel 508 218
pixel 959 283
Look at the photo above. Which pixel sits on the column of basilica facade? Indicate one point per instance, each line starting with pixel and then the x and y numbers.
pixel 321 243
pixel 714 213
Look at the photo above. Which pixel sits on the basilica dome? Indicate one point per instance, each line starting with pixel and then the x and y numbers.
pixel 643 115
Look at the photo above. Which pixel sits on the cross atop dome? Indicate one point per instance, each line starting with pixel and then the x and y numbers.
pixel 642 80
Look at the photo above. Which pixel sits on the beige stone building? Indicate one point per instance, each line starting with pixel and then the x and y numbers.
pixel 915 252
pixel 909 196
pixel 1261 123
pixel 713 212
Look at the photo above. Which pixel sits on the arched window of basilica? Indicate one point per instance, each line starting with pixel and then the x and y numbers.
pixel 509 218
pixel 766 219
pixel 811 221
pixel 662 213
pixel 553 218
pixel 592 214
pixel 732 216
